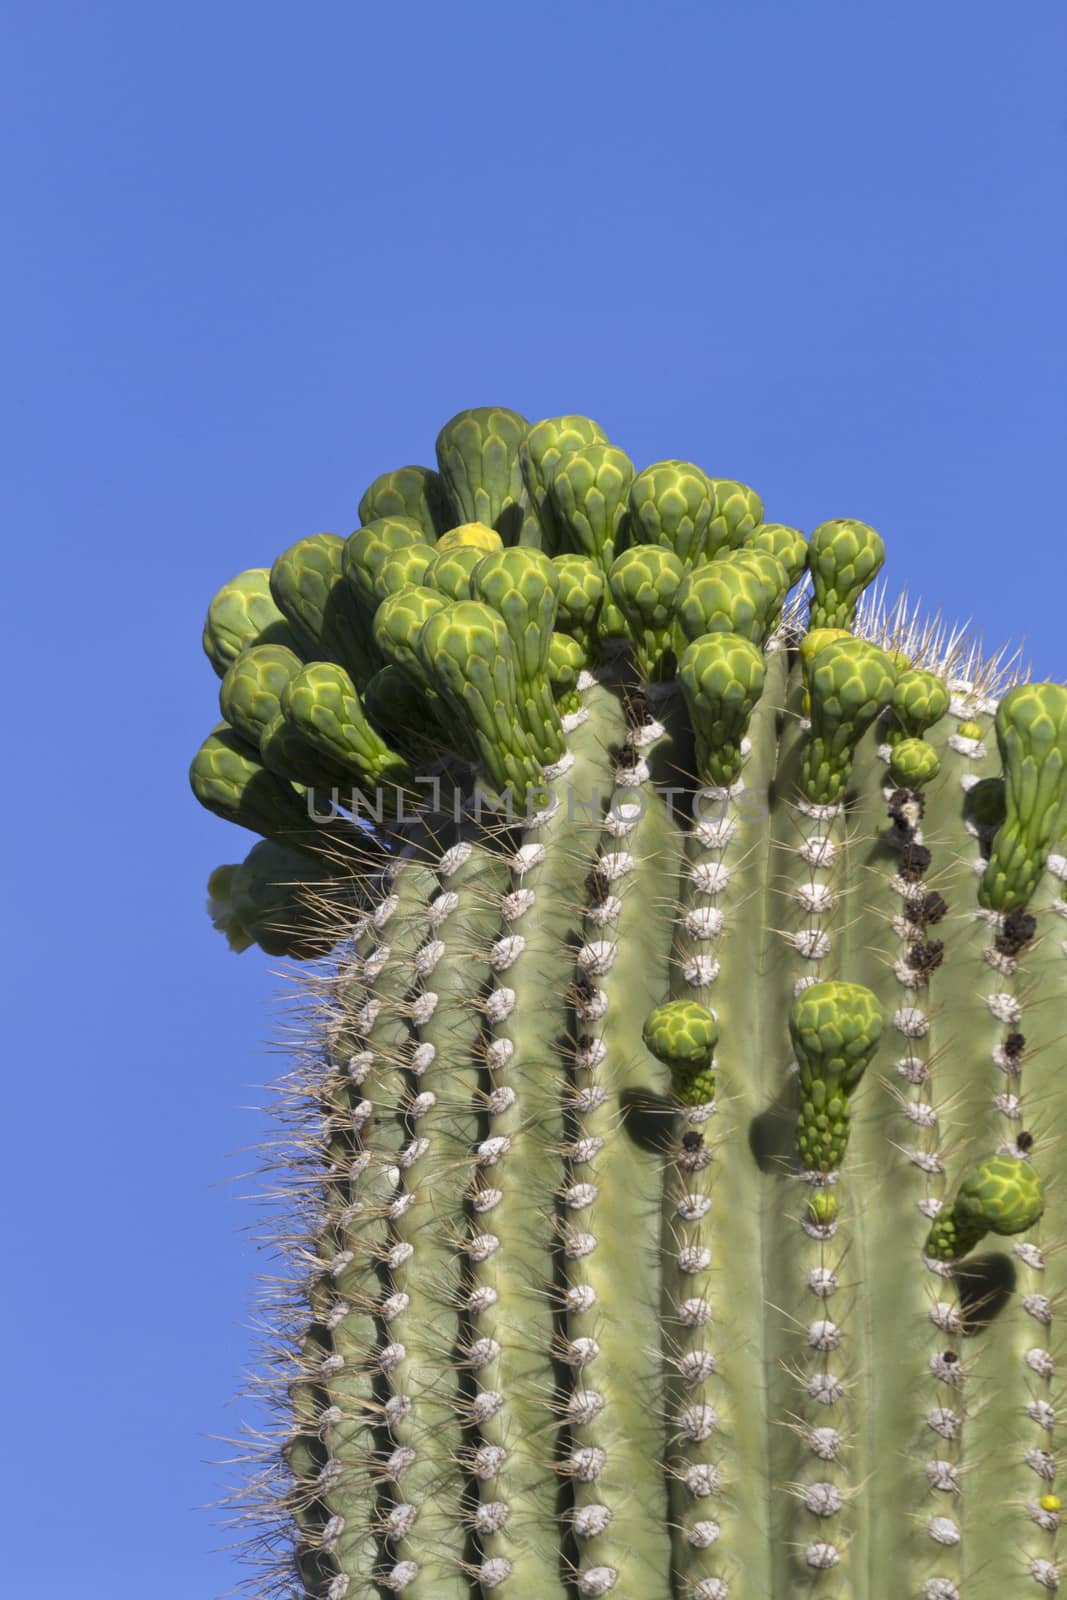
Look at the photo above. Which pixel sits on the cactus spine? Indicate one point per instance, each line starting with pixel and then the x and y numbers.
pixel 681 1101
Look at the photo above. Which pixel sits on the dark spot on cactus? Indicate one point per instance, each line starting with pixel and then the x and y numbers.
pixel 628 758
pixel 585 1041
pixel 1019 928
pixel 692 1140
pixel 915 861
pixel 596 884
pixel 580 992
pixel 637 708
pixel 926 908
pixel 927 957
pixel 913 800
pixel 1025 1141
pixel 950 1358
pixel 1014 1045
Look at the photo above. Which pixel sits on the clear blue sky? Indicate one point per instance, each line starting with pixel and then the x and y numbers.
pixel 258 253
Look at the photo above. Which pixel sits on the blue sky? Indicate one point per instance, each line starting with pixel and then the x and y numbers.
pixel 258 254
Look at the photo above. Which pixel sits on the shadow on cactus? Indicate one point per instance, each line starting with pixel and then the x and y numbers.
pixel 686 1014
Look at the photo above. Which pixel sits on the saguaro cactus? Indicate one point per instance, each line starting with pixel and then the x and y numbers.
pixel 683 1093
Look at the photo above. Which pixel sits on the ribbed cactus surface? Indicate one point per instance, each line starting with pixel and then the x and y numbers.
pixel 678 1123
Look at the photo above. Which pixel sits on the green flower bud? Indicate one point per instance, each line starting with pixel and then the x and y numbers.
pixel 522 587
pixel 787 545
pixel 322 705
pixel 1031 728
pixel 415 493
pixel 285 752
pixel 722 677
pixel 851 681
pixel 581 597
pixel 408 713
pixel 1000 1195
pixel 449 571
pixel 404 569
pixel 396 627
pixel 736 512
pixel 720 597
pixel 269 899
pixel 822 1208
pixel 467 654
pixel 589 492
pixel 228 780
pixel 540 453
pixel 914 763
pixel 478 458
pixel 835 1029
pixel 243 613
pixel 683 1035
pixel 671 504
pixel 250 695
pixel 644 583
pixel 367 548
pixel 843 558
pixel 772 574
pixel 919 701
pixel 566 659
pixel 309 586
